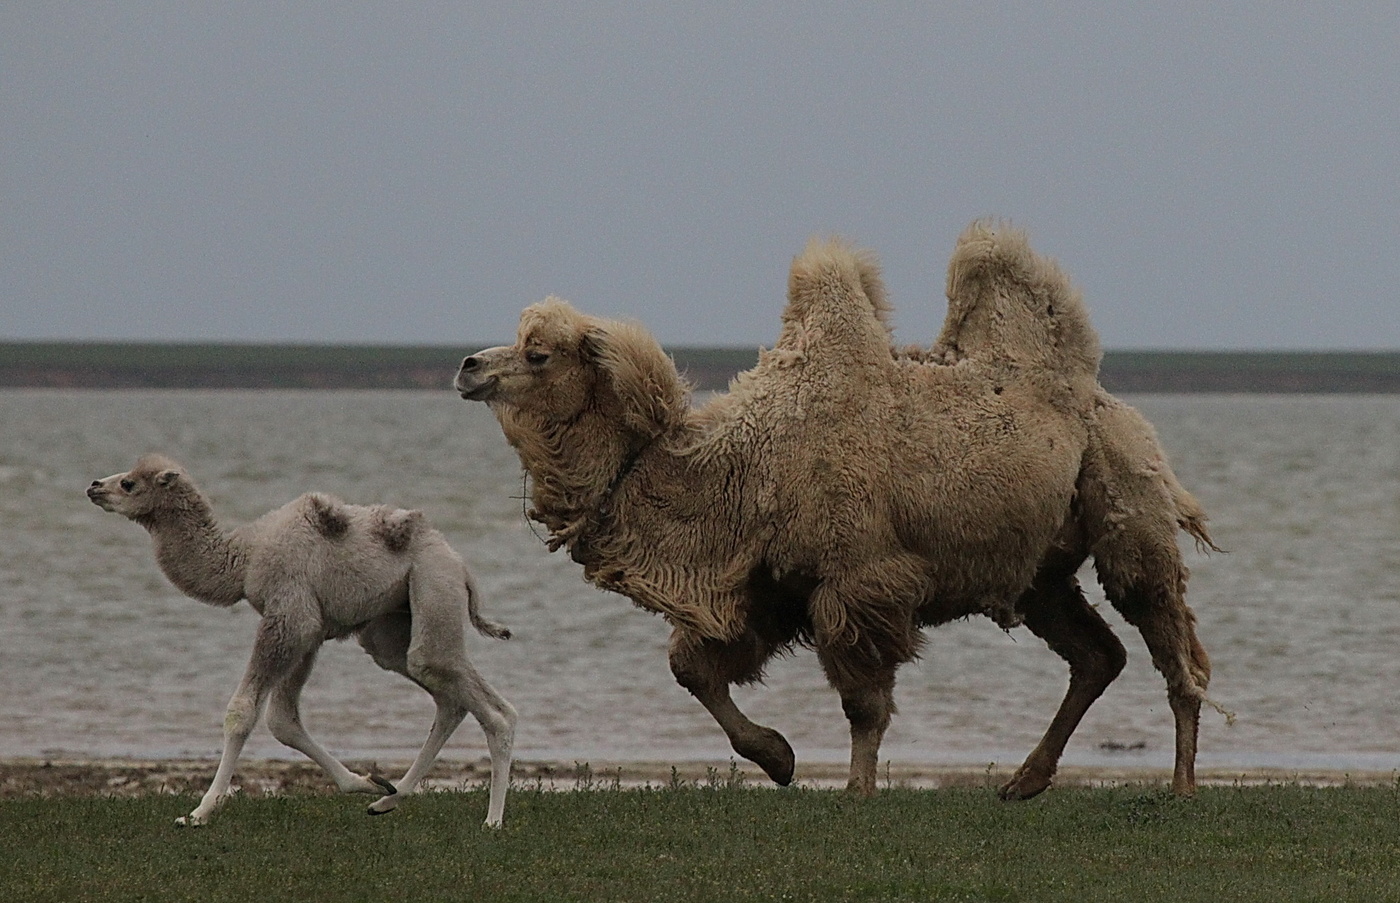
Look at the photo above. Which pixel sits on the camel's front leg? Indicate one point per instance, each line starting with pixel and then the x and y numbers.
pixel 278 646
pixel 868 702
pixel 706 668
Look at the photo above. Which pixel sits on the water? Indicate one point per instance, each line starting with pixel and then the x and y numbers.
pixel 99 656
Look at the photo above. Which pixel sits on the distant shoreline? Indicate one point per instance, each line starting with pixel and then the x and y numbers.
pixel 152 365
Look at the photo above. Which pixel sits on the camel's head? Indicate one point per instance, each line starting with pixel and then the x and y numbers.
pixel 564 363
pixel 141 491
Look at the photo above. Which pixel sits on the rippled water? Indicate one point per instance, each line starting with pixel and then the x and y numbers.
pixel 99 656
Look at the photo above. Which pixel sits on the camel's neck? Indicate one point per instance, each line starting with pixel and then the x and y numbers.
pixel 203 561
pixel 575 467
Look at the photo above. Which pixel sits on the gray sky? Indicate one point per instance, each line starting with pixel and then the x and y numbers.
pixel 1213 175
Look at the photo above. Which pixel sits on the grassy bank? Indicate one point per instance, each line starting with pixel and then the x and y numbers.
pixel 1273 843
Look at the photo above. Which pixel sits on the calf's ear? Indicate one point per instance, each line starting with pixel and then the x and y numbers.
pixel 167 478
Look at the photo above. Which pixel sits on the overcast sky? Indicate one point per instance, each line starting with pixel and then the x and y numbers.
pixel 1213 175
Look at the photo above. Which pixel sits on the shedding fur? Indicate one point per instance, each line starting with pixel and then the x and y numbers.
pixel 396 528
pixel 844 495
pixel 318 569
pixel 327 515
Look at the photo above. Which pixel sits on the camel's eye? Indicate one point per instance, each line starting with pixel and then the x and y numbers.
pixel 128 485
pixel 536 358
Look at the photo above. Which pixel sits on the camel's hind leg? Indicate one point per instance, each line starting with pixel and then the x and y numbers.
pixel 706 668
pixel 429 647
pixel 1134 507
pixel 1168 627
pixel 284 720
pixel 1055 610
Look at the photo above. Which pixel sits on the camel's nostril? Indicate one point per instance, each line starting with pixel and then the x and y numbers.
pixel 95 484
pixel 469 364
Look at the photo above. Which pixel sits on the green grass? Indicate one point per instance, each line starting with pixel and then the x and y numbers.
pixel 1276 843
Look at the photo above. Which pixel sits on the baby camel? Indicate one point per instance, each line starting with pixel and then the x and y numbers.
pixel 318 569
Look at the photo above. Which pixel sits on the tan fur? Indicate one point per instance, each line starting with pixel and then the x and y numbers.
pixel 839 494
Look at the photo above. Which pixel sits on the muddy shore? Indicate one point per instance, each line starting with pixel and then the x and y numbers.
pixel 123 777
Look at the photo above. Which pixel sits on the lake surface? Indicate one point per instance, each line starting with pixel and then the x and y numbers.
pixel 100 656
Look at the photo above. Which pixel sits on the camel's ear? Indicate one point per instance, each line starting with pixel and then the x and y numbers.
pixel 167 478
pixel 644 378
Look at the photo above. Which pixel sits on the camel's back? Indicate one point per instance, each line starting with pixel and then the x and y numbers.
pixel 357 557
pixel 852 449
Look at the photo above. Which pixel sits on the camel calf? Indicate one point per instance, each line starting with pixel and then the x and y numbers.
pixel 318 569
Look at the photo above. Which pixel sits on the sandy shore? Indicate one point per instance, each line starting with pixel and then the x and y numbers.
pixel 120 777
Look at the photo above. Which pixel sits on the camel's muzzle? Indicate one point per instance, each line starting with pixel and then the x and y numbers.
pixel 472 387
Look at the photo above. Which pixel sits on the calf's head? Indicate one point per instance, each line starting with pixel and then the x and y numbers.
pixel 139 492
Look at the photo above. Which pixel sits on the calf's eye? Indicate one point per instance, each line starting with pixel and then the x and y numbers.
pixel 128 485
pixel 535 358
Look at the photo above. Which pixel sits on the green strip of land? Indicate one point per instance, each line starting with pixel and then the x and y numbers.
pixel 718 842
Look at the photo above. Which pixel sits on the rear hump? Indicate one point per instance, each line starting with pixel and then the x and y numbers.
pixel 1012 306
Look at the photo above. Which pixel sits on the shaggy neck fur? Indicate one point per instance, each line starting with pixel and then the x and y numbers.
pixel 202 560
pixel 576 466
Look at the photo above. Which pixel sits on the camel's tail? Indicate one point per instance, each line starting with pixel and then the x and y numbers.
pixel 1008 304
pixel 484 626
pixel 1190 516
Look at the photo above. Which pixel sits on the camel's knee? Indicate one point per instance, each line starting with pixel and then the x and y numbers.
pixel 695 667
pixel 866 711
pixel 440 674
pixel 1102 664
pixel 700 682
pixel 1095 655
pixel 688 672
pixel 498 720
pixel 868 705
pixel 1200 662
pixel 1057 612
pixel 240 717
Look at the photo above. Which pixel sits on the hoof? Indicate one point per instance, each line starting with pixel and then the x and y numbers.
pixel 383 806
pixel 773 754
pixel 860 787
pixel 382 783
pixel 189 821
pixel 1022 787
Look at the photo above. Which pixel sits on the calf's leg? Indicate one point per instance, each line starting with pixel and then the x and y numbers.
pixel 284 720
pixel 428 645
pixel 280 644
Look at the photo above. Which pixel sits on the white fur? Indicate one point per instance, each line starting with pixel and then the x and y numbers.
pixel 317 569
